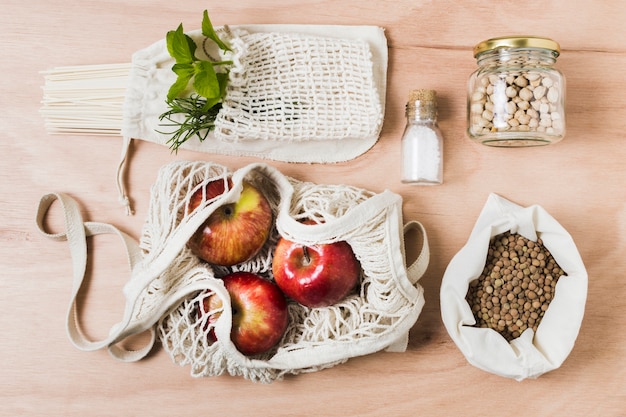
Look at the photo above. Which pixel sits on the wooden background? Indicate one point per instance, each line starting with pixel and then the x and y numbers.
pixel 581 182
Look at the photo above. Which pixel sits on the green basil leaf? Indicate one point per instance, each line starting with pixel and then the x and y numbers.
pixel 186 70
pixel 180 46
pixel 210 103
pixel 205 81
pixel 179 85
pixel 222 79
pixel 192 47
pixel 209 32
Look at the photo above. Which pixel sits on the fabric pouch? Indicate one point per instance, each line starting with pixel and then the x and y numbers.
pixel 297 93
pixel 289 88
pixel 531 354
pixel 167 281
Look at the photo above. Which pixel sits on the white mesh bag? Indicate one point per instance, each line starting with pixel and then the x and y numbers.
pixel 294 87
pixel 168 282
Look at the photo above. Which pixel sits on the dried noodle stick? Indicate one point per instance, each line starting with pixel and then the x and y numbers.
pixel 85 100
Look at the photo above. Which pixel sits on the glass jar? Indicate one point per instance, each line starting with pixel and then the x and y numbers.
pixel 516 97
pixel 422 142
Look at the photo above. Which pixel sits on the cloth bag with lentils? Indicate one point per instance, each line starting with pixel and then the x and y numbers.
pixel 487 329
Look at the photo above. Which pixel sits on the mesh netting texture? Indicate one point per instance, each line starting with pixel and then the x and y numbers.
pixel 294 87
pixel 379 312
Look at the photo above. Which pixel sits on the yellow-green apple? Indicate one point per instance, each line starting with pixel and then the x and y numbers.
pixel 235 232
pixel 259 311
pixel 316 275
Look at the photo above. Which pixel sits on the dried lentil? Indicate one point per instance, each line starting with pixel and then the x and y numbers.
pixel 516 286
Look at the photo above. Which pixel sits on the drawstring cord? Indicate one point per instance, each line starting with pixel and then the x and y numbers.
pixel 121 170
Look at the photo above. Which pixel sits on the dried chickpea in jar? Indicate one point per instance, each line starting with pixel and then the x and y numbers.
pixel 516 97
pixel 516 287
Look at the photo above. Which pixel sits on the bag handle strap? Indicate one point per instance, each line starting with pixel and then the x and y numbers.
pixel 76 233
pixel 414 272
pixel 418 267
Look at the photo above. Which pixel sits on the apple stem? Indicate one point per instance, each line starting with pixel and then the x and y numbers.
pixel 307 257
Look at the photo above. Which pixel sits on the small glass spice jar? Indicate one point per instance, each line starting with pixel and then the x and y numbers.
pixel 422 142
pixel 516 97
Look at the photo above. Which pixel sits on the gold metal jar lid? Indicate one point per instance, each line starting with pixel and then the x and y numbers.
pixel 517 42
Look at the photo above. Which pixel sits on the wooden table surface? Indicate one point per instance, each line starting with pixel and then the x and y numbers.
pixel 580 181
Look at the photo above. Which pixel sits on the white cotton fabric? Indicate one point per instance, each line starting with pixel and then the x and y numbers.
pixel 298 93
pixel 167 282
pixel 532 354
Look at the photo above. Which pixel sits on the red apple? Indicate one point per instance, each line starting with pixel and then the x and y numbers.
pixel 259 311
pixel 235 232
pixel 316 275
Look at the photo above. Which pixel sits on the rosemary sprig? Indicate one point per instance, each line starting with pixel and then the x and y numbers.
pixel 190 117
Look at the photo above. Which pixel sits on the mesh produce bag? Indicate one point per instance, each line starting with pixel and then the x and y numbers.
pixel 292 87
pixel 168 282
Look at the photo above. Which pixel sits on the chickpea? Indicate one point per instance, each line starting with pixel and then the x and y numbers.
pixel 498 103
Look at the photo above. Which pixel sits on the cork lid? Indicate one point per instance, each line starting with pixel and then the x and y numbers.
pixel 422 95
pixel 422 104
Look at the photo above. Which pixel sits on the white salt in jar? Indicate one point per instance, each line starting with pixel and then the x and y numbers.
pixel 422 142
pixel 516 97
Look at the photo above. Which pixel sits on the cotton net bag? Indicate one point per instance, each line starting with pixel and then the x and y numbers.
pixel 296 93
pixel 532 353
pixel 168 282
